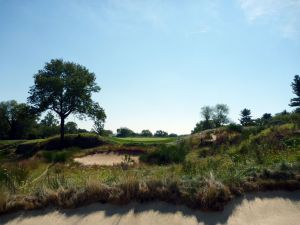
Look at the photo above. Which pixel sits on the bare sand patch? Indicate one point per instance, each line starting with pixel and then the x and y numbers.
pixel 104 159
pixel 276 208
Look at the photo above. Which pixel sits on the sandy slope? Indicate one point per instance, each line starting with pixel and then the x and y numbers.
pixel 103 159
pixel 259 209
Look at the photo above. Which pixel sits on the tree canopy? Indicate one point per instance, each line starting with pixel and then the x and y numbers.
pixel 125 132
pixel 146 133
pixel 161 133
pixel 16 120
pixel 220 116
pixel 65 88
pixel 295 102
pixel 246 118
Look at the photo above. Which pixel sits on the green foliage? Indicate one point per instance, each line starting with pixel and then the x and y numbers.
pixel 16 120
pixel 295 102
pixel 142 141
pixel 146 133
pixel 166 154
pixel 49 120
pixel 71 128
pixel 160 133
pixel 125 132
pixel 214 117
pixel 56 157
pixel 273 139
pixel 98 128
pixel 13 176
pixel 220 116
pixel 235 128
pixel 246 118
pixel 65 88
pixel 202 126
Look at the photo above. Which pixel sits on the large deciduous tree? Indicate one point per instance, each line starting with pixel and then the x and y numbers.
pixel 65 88
pixel 295 102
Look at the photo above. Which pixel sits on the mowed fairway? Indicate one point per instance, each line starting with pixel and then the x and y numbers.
pixel 143 140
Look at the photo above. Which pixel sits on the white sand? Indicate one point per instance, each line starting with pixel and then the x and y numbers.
pixel 104 159
pixel 278 208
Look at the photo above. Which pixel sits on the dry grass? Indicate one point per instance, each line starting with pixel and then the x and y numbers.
pixel 3 200
pixel 211 194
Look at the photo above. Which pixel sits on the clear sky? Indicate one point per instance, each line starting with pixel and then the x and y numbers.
pixel 158 61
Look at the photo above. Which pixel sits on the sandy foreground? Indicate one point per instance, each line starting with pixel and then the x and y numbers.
pixel 103 159
pixel 260 209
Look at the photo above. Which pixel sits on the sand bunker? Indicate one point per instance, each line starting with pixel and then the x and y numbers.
pixel 278 208
pixel 103 159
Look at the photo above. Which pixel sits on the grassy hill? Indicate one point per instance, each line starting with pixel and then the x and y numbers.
pixel 204 170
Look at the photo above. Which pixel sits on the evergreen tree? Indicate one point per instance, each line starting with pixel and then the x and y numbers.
pixel 246 118
pixel 295 102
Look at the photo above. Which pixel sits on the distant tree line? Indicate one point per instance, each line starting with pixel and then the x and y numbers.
pixel 217 116
pixel 126 132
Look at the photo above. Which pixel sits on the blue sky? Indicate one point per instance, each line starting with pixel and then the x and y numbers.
pixel 158 61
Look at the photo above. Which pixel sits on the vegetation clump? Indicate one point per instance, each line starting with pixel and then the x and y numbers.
pixel 166 154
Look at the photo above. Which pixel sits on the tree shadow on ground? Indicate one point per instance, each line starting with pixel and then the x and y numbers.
pixel 135 209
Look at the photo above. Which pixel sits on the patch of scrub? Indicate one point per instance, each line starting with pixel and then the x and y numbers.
pixel 103 159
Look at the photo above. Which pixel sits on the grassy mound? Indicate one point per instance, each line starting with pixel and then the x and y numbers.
pixel 73 140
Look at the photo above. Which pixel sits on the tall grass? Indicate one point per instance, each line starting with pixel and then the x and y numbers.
pixel 56 157
pixel 13 177
pixel 166 154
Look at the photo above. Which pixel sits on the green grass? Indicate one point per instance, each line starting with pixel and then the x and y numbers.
pixel 197 174
pixel 10 143
pixel 143 140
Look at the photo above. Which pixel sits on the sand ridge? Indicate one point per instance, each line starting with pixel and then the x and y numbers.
pixel 273 208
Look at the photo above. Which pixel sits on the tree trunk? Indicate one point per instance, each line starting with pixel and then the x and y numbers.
pixel 62 131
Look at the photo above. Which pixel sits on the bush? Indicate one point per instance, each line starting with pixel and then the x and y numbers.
pixel 56 157
pixel 235 128
pixel 166 155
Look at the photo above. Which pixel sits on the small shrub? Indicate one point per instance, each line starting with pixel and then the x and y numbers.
pixel 166 155
pixel 56 157
pixel 235 128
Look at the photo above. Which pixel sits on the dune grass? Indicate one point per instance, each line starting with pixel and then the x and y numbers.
pixel 202 176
